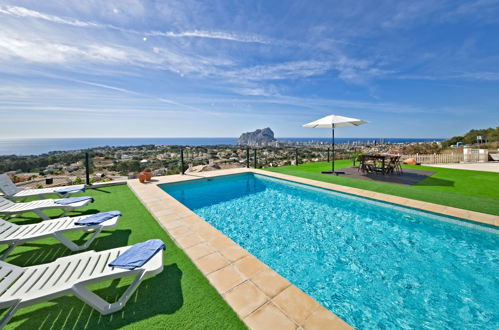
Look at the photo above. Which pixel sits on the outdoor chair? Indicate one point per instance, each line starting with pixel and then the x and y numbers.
pixel 366 164
pixel 10 209
pixel 15 235
pixel 398 166
pixel 392 165
pixel 26 286
pixel 14 192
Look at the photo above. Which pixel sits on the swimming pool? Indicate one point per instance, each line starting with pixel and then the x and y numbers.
pixel 374 264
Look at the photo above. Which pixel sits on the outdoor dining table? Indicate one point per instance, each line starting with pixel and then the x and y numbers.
pixel 383 159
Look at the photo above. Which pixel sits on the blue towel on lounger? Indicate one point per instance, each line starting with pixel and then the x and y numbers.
pixel 70 189
pixel 138 254
pixel 98 218
pixel 71 200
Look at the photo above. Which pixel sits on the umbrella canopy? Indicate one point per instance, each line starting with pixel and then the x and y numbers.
pixel 333 121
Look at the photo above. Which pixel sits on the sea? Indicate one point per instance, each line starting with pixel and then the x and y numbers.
pixel 22 147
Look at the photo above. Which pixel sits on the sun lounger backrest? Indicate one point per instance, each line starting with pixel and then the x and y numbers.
pixel 5 226
pixel 4 203
pixel 7 186
pixel 8 274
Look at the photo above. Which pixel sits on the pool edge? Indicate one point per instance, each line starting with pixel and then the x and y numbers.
pixel 473 216
pixel 259 295
pixel 236 274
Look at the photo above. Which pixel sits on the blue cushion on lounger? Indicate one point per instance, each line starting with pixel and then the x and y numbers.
pixel 70 189
pixel 72 200
pixel 98 218
pixel 138 254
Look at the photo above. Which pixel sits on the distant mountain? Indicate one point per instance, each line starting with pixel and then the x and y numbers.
pixel 260 137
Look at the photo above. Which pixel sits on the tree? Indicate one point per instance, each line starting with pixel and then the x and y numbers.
pixel 128 166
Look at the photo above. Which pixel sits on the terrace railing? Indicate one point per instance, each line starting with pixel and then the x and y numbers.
pixel 170 161
pixel 436 158
pixel 261 157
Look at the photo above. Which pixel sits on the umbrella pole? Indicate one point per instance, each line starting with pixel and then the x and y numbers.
pixel 332 164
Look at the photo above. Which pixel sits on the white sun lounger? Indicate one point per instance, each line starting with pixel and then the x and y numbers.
pixel 25 286
pixel 9 208
pixel 14 192
pixel 14 235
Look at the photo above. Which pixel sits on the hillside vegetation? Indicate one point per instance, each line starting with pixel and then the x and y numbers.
pixel 488 134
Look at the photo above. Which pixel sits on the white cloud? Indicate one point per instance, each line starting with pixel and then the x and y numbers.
pixel 50 46
pixel 212 35
pixel 36 52
pixel 483 11
pixel 286 70
pixel 17 45
pixel 319 105
pixel 471 76
pixel 257 91
pixel 24 12
pixel 98 44
pixel 181 62
pixel 484 76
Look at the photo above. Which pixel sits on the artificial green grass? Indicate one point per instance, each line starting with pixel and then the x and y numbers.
pixel 178 298
pixel 471 190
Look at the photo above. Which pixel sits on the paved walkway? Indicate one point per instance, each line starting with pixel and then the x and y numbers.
pixel 487 167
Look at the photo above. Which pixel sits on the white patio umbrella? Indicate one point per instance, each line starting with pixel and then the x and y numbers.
pixel 333 121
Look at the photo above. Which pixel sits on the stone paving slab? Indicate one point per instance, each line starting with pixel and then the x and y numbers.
pixel 260 296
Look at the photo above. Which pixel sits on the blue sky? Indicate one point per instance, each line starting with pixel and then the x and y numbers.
pixel 130 68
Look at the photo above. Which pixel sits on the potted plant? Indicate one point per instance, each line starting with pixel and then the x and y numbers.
pixel 142 177
pixel 148 174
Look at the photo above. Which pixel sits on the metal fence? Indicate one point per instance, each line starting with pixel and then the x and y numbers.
pixel 264 157
pixel 181 159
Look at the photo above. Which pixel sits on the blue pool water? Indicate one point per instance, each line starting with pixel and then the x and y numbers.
pixel 374 264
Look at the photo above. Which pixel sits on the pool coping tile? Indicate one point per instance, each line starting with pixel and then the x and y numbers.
pixel 270 282
pixel 226 279
pixel 250 266
pixel 211 263
pixel 269 317
pixel 200 250
pixel 234 253
pixel 245 298
pixel 296 304
pixel 322 319
pixel 260 296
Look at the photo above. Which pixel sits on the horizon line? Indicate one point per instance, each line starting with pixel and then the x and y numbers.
pixel 209 137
